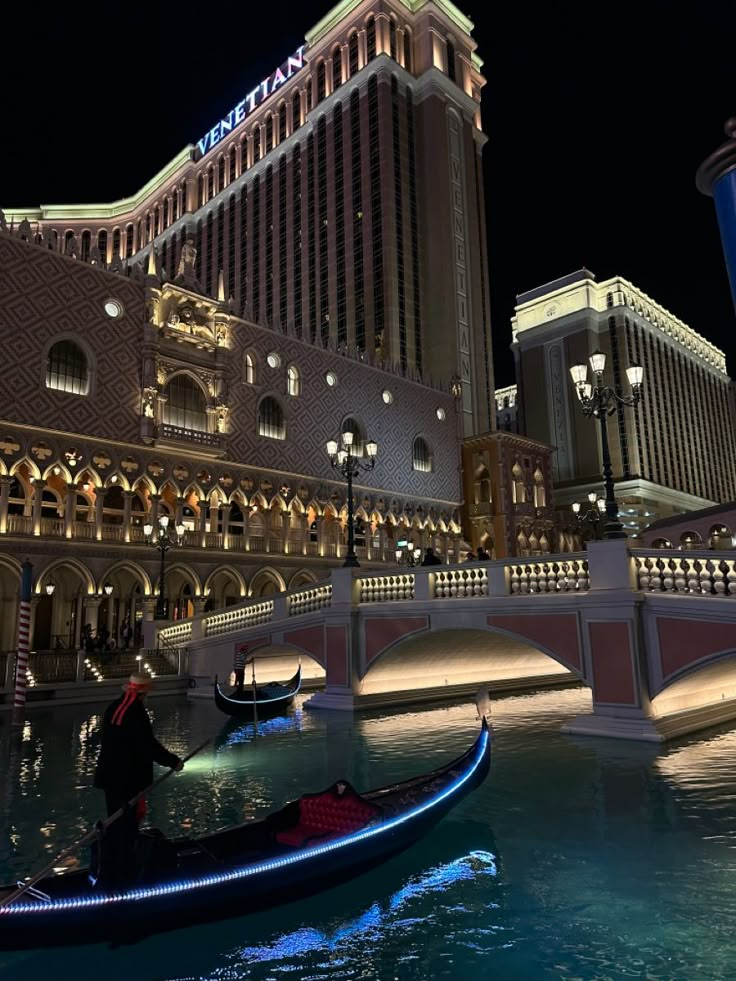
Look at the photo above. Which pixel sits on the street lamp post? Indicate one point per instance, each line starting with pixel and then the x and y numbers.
pixel 164 539
pixel 602 401
pixel 343 460
pixel 593 516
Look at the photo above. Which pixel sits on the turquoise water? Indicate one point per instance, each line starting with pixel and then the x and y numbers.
pixel 577 858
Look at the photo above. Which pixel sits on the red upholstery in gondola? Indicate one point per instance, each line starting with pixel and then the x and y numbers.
pixel 328 815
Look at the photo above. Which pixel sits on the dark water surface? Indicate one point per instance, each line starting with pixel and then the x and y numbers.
pixel 578 858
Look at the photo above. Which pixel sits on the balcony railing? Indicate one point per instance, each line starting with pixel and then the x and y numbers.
pixel 238 539
pixel 190 436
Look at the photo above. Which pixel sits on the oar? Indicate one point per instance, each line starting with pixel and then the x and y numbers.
pixel 101 825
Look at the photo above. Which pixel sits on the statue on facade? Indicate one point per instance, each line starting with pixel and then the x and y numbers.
pixel 187 259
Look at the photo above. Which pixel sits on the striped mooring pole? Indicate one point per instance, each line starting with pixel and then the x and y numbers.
pixel 24 630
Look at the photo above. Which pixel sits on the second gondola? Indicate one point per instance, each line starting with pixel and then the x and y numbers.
pixel 246 701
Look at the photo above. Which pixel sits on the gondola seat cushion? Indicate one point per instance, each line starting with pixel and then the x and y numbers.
pixel 328 815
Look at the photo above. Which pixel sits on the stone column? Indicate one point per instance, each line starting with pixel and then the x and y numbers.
pixel 400 46
pixel 320 534
pixel 127 513
pixel 304 520
pixel 225 511
pixel 179 511
pixel 92 610
pixel 329 89
pixel 362 49
pixel 70 510
pixel 203 523
pixel 99 516
pixel 246 531
pixel 345 62
pixel 5 483
pixel 153 513
pixel 285 529
pixel 38 486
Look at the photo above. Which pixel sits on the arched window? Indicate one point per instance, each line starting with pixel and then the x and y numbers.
pixel 422 458
pixel 482 485
pixel 540 495
pixel 249 373
pixel 451 61
pixel 518 487
pixel 67 369
pixel 86 238
pixel 293 381
pixel 296 111
pixel 321 81
pixel 371 37
pixel 282 123
pixel 351 425
pixel 200 190
pixel 269 133
pixel 221 173
pixel 116 242
pixel 407 49
pixel 102 245
pixel 353 56
pixel 129 231
pixel 271 419
pixel 336 67
pixel 185 406
pixel 392 39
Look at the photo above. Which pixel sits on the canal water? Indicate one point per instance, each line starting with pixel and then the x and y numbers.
pixel 577 859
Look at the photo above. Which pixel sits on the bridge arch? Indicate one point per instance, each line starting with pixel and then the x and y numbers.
pixel 708 680
pixel 446 657
pixel 278 661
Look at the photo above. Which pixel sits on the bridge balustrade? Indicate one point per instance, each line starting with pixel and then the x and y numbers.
pixel 704 573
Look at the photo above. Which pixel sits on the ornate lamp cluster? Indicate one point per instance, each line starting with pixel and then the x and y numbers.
pixel 343 460
pixel 593 516
pixel 600 400
pixel 163 539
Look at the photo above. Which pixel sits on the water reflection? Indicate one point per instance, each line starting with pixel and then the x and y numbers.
pixel 457 889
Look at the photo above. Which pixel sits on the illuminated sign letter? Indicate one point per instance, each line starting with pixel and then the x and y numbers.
pixel 239 111
pixel 214 135
pixel 278 78
pixel 202 144
pixel 251 99
pixel 226 124
pixel 295 62
pixel 264 88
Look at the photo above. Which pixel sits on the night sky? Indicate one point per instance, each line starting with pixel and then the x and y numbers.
pixel 598 116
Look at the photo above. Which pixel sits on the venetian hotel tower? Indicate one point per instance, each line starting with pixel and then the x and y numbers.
pixel 341 197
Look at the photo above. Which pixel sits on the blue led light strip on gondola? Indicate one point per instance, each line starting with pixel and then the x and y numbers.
pixel 173 888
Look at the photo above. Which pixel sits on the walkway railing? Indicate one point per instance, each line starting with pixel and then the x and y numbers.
pixel 47 669
pixel 706 573
pixel 471 580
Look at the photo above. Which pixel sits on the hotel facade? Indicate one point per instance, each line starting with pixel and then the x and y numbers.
pixel 315 263
pixel 676 450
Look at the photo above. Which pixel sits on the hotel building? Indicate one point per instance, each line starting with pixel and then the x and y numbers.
pixel 315 263
pixel 676 450
pixel 341 199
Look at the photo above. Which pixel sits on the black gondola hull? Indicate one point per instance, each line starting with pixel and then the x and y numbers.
pixel 280 877
pixel 247 708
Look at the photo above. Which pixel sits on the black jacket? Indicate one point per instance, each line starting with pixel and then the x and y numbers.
pixel 129 750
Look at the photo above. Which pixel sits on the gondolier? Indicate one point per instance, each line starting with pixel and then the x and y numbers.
pixel 125 765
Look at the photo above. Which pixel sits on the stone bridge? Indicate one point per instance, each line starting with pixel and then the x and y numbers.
pixel 652 633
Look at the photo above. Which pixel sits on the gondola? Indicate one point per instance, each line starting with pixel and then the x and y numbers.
pixel 310 844
pixel 270 700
